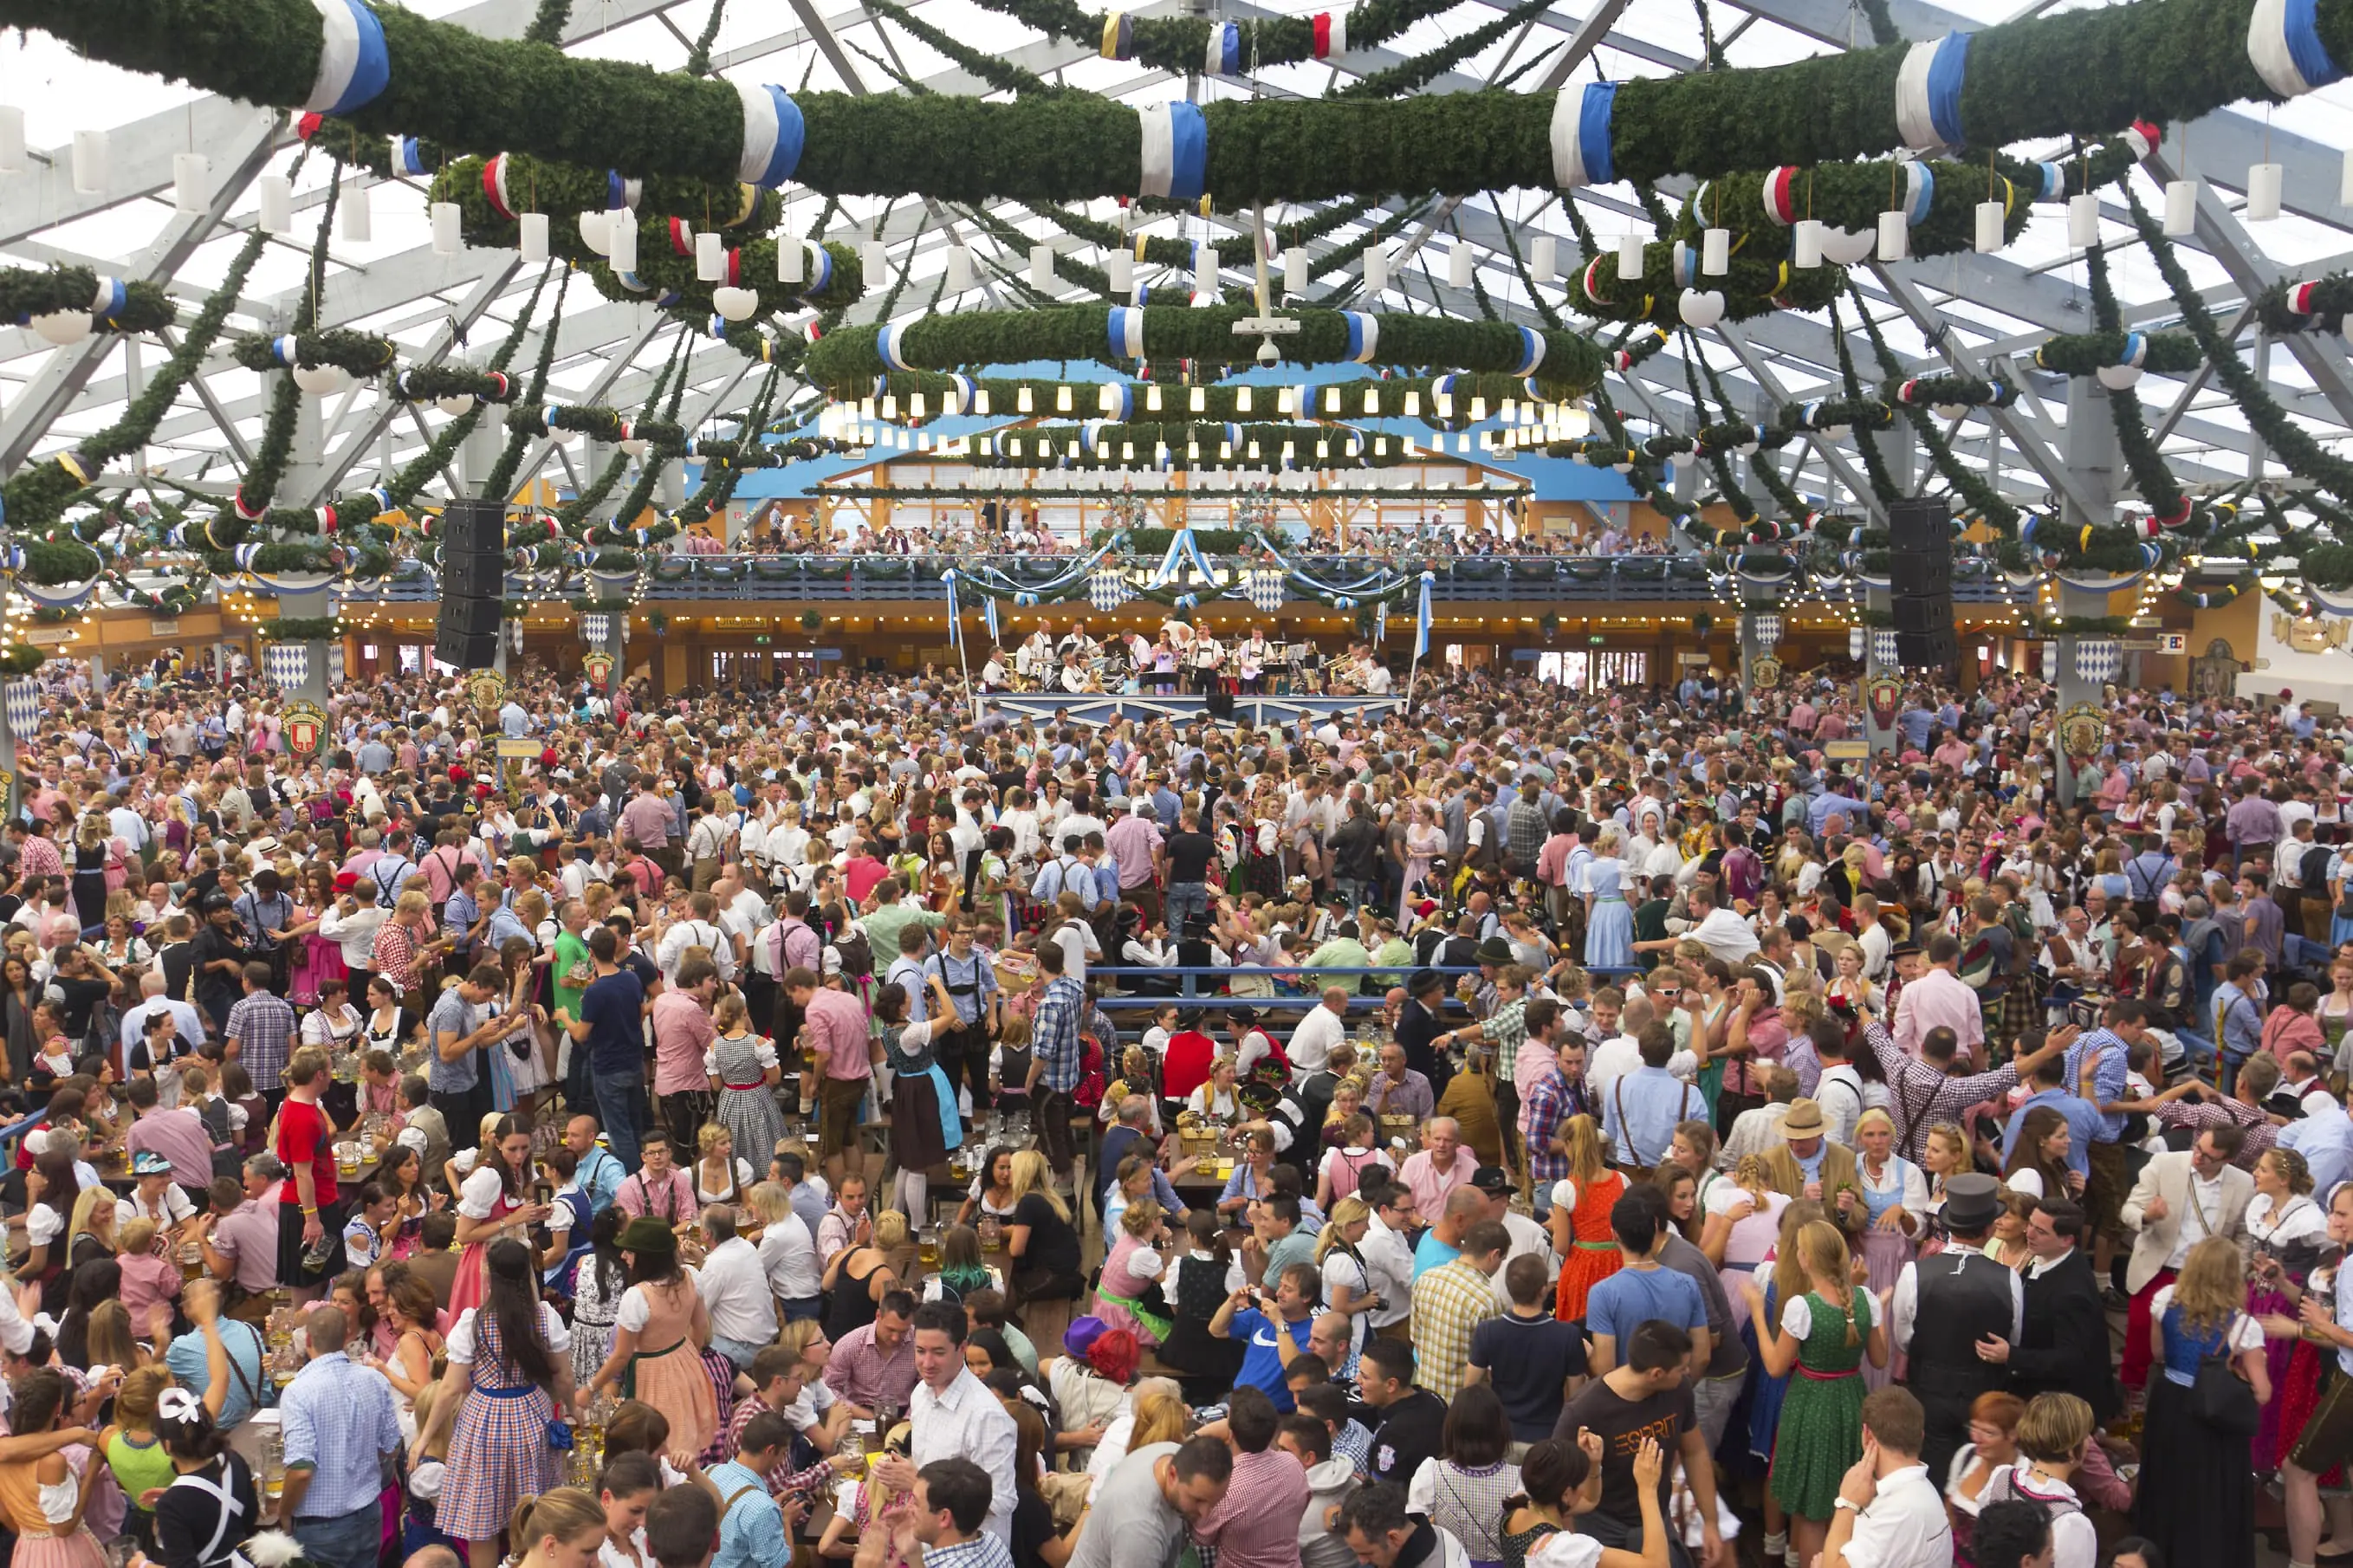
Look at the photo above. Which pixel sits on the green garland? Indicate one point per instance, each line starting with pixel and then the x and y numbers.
pixel 420 470
pixel 363 354
pixel 23 659
pixel 299 628
pixel 1937 392
pixel 1874 462
pixel 850 360
pixel 2326 301
pixel 2079 73
pixel 1852 196
pixel 26 293
pixel 2087 354
pixel 1398 397
pixel 431 382
pixel 1220 446
pixel 1411 75
pixel 269 456
pixel 663 438
pixel 2159 491
pixel 1179 44
pixel 996 70
pixel 1977 496
pixel 1752 286
pixel 499 483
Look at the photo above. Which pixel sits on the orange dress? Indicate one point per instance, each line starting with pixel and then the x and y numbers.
pixel 1595 1256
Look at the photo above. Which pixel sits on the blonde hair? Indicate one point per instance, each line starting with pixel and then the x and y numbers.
pixel 136 1234
pixel 2212 1286
pixel 1161 1413
pixel 1950 1133
pixel 769 1201
pixel 566 1513
pixel 1822 1248
pixel 1753 1176
pixel 1032 1174
pixel 1347 1212
pixel 1789 1280
pixel 1875 1117
pixel 889 1230
pixel 411 904
pixel 1140 1218
pixel 711 1135
pixel 797 1335
pixel 2053 1427
pixel 134 1403
pixel 1582 1138
pixel 85 1209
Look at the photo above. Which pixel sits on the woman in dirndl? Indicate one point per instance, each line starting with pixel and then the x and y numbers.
pixel 493 1202
pixel 1580 1218
pixel 509 1377
pixel 744 1071
pixel 42 1498
pixel 1895 1202
pixel 924 1121
pixel 2289 1231
pixel 660 1309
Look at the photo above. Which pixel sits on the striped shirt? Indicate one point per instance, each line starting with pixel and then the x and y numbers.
pixel 263 1026
pixel 339 1423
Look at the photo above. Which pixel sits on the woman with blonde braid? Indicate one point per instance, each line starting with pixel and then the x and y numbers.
pixel 1579 1220
pixel 565 1528
pixel 1828 1328
pixel 1744 1220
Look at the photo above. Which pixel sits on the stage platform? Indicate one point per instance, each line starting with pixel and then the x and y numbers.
pixel 1100 707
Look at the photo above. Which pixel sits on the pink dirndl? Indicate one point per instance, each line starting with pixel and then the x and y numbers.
pixel 499 1453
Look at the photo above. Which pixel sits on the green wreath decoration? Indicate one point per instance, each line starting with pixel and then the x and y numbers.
pixel 434 383
pixel 668 275
pixel 2079 73
pixel 1106 446
pixel 665 438
pixel 1387 397
pixel 361 355
pixel 299 628
pixel 23 659
pixel 847 362
pixel 1752 286
pixel 2318 305
pixel 2088 353
pixel 113 305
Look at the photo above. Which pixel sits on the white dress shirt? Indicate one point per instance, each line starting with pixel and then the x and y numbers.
pixel 967 1422
pixel 788 1256
pixel 734 1290
pixel 1390 1263
pixel 1905 1525
pixel 1312 1042
pixel 1905 1305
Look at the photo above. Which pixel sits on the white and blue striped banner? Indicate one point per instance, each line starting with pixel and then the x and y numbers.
pixel 1107 590
pixel 988 615
pixel 408 157
pixel 774 134
pixel 55 596
pixel 285 665
pixel 354 66
pixel 956 614
pixel 1364 336
pixel 1928 93
pixel 1123 332
pixel 1532 352
pixel 1421 617
pixel 1176 151
pixel 887 345
pixel 22 701
pixel 2284 45
pixel 1580 135
pixel 1223 56
pixel 1919 194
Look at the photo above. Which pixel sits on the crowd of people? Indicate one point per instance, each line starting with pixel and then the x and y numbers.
pixel 1532 1128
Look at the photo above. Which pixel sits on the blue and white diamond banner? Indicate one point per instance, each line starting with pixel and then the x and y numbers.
pixel 1883 648
pixel 1266 589
pixel 1107 590
pixel 285 665
pixel 2098 660
pixel 1768 628
pixel 22 701
pixel 596 628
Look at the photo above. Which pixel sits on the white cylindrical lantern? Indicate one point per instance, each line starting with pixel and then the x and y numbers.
pixel 1377 270
pixel 11 139
pixel 1989 237
pixel 596 232
pixel 1042 267
pixel 1715 251
pixel 874 261
pixel 274 196
pixel 531 237
pixel 1205 270
pixel 1543 258
pixel 446 218
pixel 2082 220
pixel 1629 258
pixel 1805 242
pixel 1119 270
pixel 191 187
pixel 710 259
pixel 1894 236
pixel 1458 265
pixel 1295 270
pixel 792 261
pixel 959 268
pixel 358 215
pixel 2181 207
pixel 622 252
pixel 2264 186
pixel 90 162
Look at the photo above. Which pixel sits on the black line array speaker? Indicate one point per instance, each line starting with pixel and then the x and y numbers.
pixel 1927 575
pixel 473 583
pixel 1921 525
pixel 1928 650
pixel 1922 613
pixel 1920 576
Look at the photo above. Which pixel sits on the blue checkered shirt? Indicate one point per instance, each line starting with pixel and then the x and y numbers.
pixel 263 1026
pixel 752 1529
pixel 983 1551
pixel 339 1420
pixel 2107 1078
pixel 1054 1035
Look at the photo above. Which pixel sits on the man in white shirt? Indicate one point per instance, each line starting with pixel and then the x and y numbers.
pixel 1724 934
pixel 953 1415
pixel 1388 1259
pixel 1324 1027
pixel 788 1257
pixel 1889 1514
pixel 733 1285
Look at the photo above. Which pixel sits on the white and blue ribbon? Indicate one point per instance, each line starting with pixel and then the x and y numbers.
pixel 1224 55
pixel 1123 408
pixel 960 393
pixel 818 277
pixel 1580 135
pixel 887 344
pixel 1928 93
pixel 1532 352
pixel 955 615
pixel 2054 182
pixel 408 157
pixel 1919 194
pixel 2283 46
pixel 1176 151
pixel 1364 336
pixel 1421 617
pixel 988 618
pixel 1683 265
pixel 622 194
pixel 773 136
pixel 354 66
pixel 112 295
pixel 1123 332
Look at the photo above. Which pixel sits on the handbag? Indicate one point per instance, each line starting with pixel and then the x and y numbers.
pixel 2222 1401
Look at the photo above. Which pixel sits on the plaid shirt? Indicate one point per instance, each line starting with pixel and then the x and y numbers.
pixel 1449 1305
pixel 2107 1078
pixel 396 954
pixel 1923 1094
pixel 983 1551
pixel 1546 1101
pixel 339 1423
pixel 263 1026
pixel 2201 1114
pixel 1054 1035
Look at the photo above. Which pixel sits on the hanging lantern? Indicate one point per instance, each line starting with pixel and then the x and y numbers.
pixel 1205 270
pixel 1805 242
pixel 1629 258
pixel 11 139
pixel 622 252
pixel 90 162
pixel 1377 270
pixel 1990 235
pixel 2083 220
pixel 2181 207
pixel 191 189
pixel 596 232
pixel 1042 267
pixel 447 218
pixel 1458 265
pixel 1700 307
pixel 736 304
pixel 274 196
pixel 2265 184
pixel 320 380
pixel 1119 270
pixel 1715 252
pixel 531 237
pixel 1295 270
pixel 792 261
pixel 358 214
pixel 456 405
pixel 710 259
pixel 1544 259
pixel 1894 236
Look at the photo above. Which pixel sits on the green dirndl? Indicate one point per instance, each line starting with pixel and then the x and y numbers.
pixel 1820 1434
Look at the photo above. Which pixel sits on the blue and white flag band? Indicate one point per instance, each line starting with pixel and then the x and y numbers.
pixel 1364 336
pixel 1123 332
pixel 1928 93
pixel 23 699
pixel 773 136
pixel 1580 135
pixel 2283 46
pixel 1175 161
pixel 408 156
pixel 1223 56
pixel 1421 617
pixel 353 65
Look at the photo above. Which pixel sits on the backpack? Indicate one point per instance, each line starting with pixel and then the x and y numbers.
pixel 857 956
pixel 228 1159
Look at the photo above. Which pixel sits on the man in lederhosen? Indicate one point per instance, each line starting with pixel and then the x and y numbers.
pixel 1944 1306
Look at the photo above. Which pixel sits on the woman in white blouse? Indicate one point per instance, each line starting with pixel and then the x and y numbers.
pixel 1894 1196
